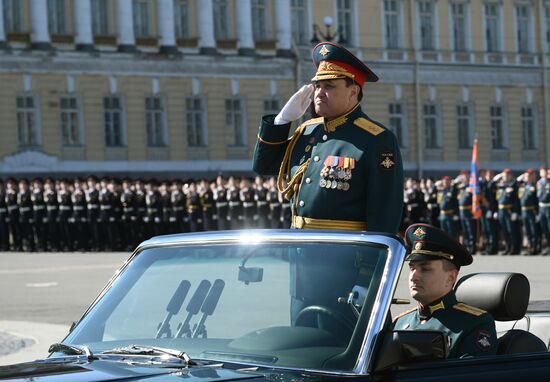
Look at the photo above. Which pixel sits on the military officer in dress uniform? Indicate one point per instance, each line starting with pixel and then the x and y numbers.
pixel 52 215
pixel 207 203
pixel 435 259
pixel 272 198
pixel 432 206
pixel 64 215
pixel 246 195
pixel 543 193
pixel 177 197
pixel 222 206
pixel 262 208
pixel 414 201
pixel 140 212
pixel 165 198
pixel 80 215
pixel 92 209
pixel 467 221
pixel 342 170
pixel 39 214
pixel 530 211
pixel 26 221
pixel 4 234
pixel 152 216
pixel 489 217
pixel 194 209
pixel 234 214
pixel 448 207
pixel 13 214
pixel 508 211
pixel 128 223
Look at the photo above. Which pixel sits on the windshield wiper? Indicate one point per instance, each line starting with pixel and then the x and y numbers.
pixel 151 350
pixel 71 350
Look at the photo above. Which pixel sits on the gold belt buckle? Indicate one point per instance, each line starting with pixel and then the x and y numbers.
pixel 298 222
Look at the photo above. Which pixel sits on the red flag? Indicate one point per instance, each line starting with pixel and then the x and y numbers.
pixel 474 184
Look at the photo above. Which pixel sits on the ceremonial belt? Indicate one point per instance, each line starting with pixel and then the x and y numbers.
pixel 128 209
pixel 300 222
pixel 505 206
pixel 3 210
pixel 433 204
pixel 273 205
pixel 527 208
pixel 248 204
pixel 542 204
pixel 39 207
pixel 208 205
pixel 178 208
pixel 221 204
pixel 93 206
pixel 262 203
pixel 64 208
pixel 413 205
pixel 465 207
pixel 11 208
pixel 51 208
pixel 151 210
pixel 447 212
pixel 103 207
pixel 234 204
pixel 24 209
pixel 78 208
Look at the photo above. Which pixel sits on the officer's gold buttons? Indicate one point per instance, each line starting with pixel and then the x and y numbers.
pixel 308 180
pixel 316 158
pixel 302 203
pixel 325 137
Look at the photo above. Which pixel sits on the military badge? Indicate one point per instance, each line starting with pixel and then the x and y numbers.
pixel 324 51
pixel 336 172
pixel 387 160
pixel 483 341
pixel 419 232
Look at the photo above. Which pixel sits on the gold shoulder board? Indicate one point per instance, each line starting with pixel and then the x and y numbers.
pixel 469 309
pixel 313 121
pixel 368 126
pixel 403 314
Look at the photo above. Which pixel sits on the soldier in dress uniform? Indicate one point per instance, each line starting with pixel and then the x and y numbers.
pixel 272 198
pixel 65 215
pixel 128 218
pixel 432 206
pixel 222 206
pixel 140 212
pixel 530 211
pixel 194 208
pixel 106 216
pixel 234 214
pixel 13 214
pixel 448 207
pixel 4 233
pixel 467 221
pixel 152 216
pixel 414 202
pixel 262 206
pixel 177 198
pixel 26 221
pixel 207 202
pixel 489 208
pixel 165 200
pixel 92 209
pixel 543 193
pixel 39 214
pixel 342 170
pixel 80 215
pixel 508 211
pixel 246 195
pixel 435 259
pixel 52 215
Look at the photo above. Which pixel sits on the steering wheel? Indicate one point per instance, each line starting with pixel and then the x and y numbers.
pixel 312 316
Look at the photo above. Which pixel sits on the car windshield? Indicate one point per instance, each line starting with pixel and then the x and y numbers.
pixel 303 305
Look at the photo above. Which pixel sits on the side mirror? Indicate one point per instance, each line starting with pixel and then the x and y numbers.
pixel 403 346
pixel 251 275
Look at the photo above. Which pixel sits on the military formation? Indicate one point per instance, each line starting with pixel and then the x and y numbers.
pixel 515 210
pixel 108 214
pixel 111 214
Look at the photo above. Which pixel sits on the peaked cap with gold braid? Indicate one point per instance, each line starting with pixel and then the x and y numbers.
pixel 425 242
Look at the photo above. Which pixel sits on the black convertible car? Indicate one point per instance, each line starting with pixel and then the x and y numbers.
pixel 283 305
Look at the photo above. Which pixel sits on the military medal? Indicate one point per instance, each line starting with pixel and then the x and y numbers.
pixel 345 186
pixel 328 184
pixel 336 172
pixel 323 182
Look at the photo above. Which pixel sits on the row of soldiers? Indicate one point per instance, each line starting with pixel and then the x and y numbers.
pixel 107 214
pixel 514 210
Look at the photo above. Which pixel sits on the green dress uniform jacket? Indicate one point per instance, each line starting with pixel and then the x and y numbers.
pixel 346 173
pixel 471 331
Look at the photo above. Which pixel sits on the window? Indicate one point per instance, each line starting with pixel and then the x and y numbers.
pixel 100 21
pixel 426 13
pixel 141 18
pixel 155 121
pixel 113 119
pixel 181 18
pixel 235 121
pixel 528 127
pixel 492 26
pixel 345 27
pixel 196 131
pixel 27 121
pixel 523 25
pixel 56 17
pixel 459 25
pixel 221 19
pixel 497 127
pixel 259 20
pixel 463 122
pixel 271 106
pixel 70 122
pixel 298 15
pixel 392 24
pixel 397 122
pixel 431 133
pixel 13 19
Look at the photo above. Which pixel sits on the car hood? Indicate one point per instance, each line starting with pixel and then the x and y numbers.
pixel 100 370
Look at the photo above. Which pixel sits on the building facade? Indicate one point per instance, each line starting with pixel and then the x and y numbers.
pixel 179 86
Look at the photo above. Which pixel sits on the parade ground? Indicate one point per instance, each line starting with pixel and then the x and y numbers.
pixel 41 294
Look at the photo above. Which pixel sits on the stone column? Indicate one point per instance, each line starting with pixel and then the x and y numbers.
pixel 84 38
pixel 40 35
pixel 207 42
pixel 3 43
pixel 245 43
pixel 167 29
pixel 282 15
pixel 125 26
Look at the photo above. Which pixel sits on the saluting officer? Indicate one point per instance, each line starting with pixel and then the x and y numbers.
pixel 207 202
pixel 262 208
pixel 80 215
pixel 39 214
pixel 222 207
pixel 13 214
pixel 414 201
pixel 246 195
pixel 508 209
pixel 234 214
pixel 4 234
pixel 24 204
pixel 448 207
pixel 272 198
pixel 65 215
pixel 177 198
pixel 92 209
pixel 194 209
pixel 529 210
pixel 152 201
pixel 543 194
pixel 128 222
pixel 52 215
pixel 343 170
pixel 467 221
pixel 432 206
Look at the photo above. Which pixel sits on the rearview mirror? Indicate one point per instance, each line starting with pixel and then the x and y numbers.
pixel 403 346
pixel 251 275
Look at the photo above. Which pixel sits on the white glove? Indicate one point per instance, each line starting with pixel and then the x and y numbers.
pixel 514 216
pixel 455 218
pixel 296 106
pixel 488 214
pixel 495 215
